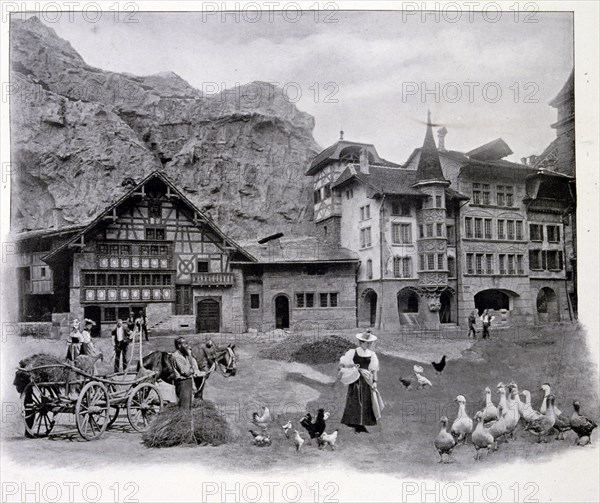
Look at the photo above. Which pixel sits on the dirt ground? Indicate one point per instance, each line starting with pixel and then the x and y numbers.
pixel 401 444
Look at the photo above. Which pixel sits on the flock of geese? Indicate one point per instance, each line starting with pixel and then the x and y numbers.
pixel 494 422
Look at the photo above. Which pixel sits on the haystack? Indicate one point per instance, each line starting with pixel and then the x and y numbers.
pixel 297 348
pixel 175 426
pixel 53 374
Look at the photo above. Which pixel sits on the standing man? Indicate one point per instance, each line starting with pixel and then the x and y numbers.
pixel 487 319
pixel 208 353
pixel 185 368
pixel 142 325
pixel 472 320
pixel 121 337
pixel 131 321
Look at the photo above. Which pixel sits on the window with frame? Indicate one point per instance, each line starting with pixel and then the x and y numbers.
pixel 150 233
pixel 440 262
pixel 401 233
pixel 254 301
pixel 451 267
pixel 407 267
pixel 323 298
pixel 553 233
pixel 101 279
pixel 487 227
pixel 438 201
pixel 400 209
pixel 160 234
pixel 500 196
pixel 470 269
pixel 519 230
pixel 520 268
pixel 397 267
pixel 166 280
pixel 109 314
pixel 479 263
pixel 535 260
pixel 299 300
pixel 317 196
pixel 479 228
pixel 183 300
pixel 485 193
pixel 202 266
pixel 476 193
pixel 103 249
pixel 365 212
pixel 536 232
pixel 509 195
pixel 125 249
pixel 327 191
pixel 369 269
pixel 554 260
pixel 135 279
pixel 429 229
pixel 124 280
pixel 421 234
pixel 510 229
pixel 421 262
pixel 450 233
pixel 468 227
pixel 309 299
pixel 502 263
pixel 439 230
pixel 89 280
pixel 489 263
pixel 333 299
pixel 501 234
pixel 112 279
pixel 365 237
pixel 511 264
pixel 431 262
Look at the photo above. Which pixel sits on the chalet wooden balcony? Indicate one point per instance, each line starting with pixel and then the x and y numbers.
pixel 546 205
pixel 213 279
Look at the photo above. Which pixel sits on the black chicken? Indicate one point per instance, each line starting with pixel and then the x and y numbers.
pixel 406 382
pixel 439 367
pixel 318 427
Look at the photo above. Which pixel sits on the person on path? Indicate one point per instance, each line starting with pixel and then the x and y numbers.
pixel 487 319
pixel 472 320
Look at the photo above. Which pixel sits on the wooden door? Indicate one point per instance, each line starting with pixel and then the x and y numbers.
pixel 208 316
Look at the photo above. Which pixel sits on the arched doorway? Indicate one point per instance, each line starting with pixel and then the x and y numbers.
pixel 492 299
pixel 367 313
pixel 547 305
pixel 282 312
pixel 445 309
pixel 93 313
pixel 208 316
pixel 408 306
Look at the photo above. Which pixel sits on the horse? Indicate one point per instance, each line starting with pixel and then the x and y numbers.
pixel 224 360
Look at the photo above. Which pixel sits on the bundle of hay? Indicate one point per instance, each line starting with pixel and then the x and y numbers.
pixel 322 350
pixel 175 426
pixel 53 374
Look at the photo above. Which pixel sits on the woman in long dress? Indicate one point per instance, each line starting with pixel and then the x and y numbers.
pixel 74 344
pixel 87 346
pixel 360 411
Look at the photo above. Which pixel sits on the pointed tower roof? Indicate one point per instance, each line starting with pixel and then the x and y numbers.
pixel 429 168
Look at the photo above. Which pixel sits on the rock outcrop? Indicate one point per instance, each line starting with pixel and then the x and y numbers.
pixel 77 132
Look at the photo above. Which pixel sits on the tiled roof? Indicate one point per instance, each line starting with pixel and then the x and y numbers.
pixel 491 151
pixel 332 153
pixel 304 249
pixel 397 181
pixel 454 194
pixel 429 168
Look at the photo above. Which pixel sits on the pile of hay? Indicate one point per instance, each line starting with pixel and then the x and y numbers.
pixel 173 426
pixel 54 374
pixel 296 348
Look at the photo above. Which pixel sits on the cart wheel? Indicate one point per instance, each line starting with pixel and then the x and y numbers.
pixel 37 407
pixel 92 410
pixel 143 404
pixel 113 414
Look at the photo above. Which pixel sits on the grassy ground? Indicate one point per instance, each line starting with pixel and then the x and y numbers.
pixel 403 441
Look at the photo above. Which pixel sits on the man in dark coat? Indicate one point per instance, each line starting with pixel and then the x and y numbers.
pixel 121 338
pixel 472 320
pixel 185 367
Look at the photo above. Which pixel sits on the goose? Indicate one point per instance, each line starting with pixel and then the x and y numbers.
pixel 561 423
pixel 542 426
pixel 444 442
pixel 481 437
pixel 490 412
pixel 581 425
pixel 298 440
pixel 547 391
pixel 511 414
pixel 526 410
pixel 463 424
pixel 498 428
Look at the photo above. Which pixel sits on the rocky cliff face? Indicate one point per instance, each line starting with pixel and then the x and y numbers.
pixel 77 132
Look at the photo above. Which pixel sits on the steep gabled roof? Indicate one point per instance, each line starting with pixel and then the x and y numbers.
pixel 429 167
pixel 392 181
pixel 491 151
pixel 132 193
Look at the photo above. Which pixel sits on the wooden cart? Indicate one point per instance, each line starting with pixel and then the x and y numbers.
pixel 94 400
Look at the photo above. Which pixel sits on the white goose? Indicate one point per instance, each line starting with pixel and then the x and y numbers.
pixel 547 392
pixel 463 424
pixel 528 413
pixel 490 412
pixel 511 413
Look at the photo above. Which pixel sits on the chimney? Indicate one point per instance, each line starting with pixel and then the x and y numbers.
pixel 442 132
pixel 364 161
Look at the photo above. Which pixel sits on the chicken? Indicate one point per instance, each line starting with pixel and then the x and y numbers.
pixel 298 440
pixel 423 381
pixel 439 367
pixel 526 410
pixel 286 429
pixel 481 437
pixel 325 439
pixel 316 428
pixel 406 382
pixel 562 424
pixel 511 414
pixel 444 442
pixel 547 391
pixel 463 424
pixel 263 420
pixel 542 426
pixel 498 428
pixel 581 425
pixel 490 412
pixel 260 439
pixel 418 369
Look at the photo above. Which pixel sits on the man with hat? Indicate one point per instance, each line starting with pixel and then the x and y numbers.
pixel 121 337
pixel 359 369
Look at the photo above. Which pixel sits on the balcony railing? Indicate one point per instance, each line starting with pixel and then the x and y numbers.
pixel 546 205
pixel 213 279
